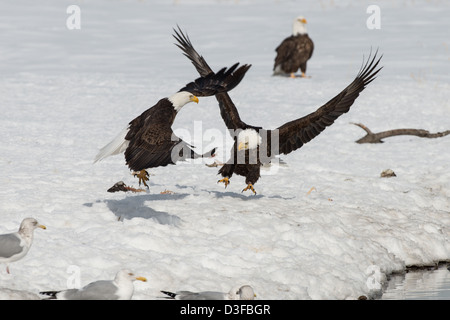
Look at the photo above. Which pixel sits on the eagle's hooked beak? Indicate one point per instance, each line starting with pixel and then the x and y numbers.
pixel 241 146
pixel 42 226
pixel 194 99
pixel 303 21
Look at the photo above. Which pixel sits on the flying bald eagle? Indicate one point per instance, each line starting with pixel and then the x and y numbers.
pixel 149 141
pixel 295 51
pixel 254 146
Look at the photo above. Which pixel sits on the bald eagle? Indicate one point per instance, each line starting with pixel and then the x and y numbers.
pixel 255 146
pixel 295 51
pixel 148 141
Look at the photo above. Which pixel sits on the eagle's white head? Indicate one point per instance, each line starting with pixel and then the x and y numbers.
pixel 179 99
pixel 248 139
pixel 299 26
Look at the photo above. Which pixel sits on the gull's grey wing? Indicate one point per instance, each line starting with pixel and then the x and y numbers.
pixel 9 245
pixel 189 295
pixel 99 290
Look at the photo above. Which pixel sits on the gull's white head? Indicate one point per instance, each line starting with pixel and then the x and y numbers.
pixel 127 275
pixel 242 293
pixel 248 139
pixel 28 225
pixel 246 293
pixel 179 99
pixel 299 26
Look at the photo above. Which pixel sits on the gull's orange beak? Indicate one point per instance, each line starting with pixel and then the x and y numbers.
pixel 141 279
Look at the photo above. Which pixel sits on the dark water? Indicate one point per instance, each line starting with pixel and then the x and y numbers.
pixel 420 285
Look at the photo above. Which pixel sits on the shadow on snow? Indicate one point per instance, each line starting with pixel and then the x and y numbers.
pixel 135 207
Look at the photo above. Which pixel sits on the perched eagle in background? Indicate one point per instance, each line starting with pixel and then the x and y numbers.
pixel 149 141
pixel 295 51
pixel 254 146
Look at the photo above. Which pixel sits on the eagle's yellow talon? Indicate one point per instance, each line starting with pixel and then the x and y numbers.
pixel 225 180
pixel 143 177
pixel 311 190
pixel 249 187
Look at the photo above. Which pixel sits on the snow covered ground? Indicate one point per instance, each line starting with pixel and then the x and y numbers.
pixel 66 93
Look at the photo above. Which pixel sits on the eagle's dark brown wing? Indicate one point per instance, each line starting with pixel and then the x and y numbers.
pixel 150 137
pixel 292 135
pixel 152 142
pixel 222 81
pixel 228 110
pixel 186 46
pixel 160 152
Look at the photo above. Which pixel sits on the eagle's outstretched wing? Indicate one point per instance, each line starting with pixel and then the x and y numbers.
pixel 228 110
pixel 186 46
pixel 292 135
pixel 222 81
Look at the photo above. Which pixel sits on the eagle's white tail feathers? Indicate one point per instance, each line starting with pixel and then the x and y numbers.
pixel 118 145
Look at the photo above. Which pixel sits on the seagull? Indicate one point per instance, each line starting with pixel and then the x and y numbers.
pixel 14 246
pixel 121 288
pixel 241 293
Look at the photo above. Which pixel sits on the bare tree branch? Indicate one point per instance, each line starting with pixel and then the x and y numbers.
pixel 371 137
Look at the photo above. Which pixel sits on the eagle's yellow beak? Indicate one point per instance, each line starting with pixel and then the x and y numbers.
pixel 241 146
pixel 194 99
pixel 141 279
pixel 303 21
pixel 42 226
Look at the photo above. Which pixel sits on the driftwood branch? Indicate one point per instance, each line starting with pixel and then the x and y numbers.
pixel 371 137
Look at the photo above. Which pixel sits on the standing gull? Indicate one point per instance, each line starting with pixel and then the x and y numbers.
pixel 14 246
pixel 240 293
pixel 121 288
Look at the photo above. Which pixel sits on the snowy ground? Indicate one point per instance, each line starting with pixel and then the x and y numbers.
pixel 66 93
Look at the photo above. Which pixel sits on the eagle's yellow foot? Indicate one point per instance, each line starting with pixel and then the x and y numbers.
pixel 225 180
pixel 249 187
pixel 304 75
pixel 311 190
pixel 143 177
pixel 292 75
